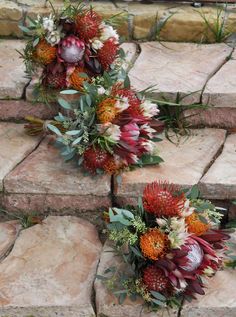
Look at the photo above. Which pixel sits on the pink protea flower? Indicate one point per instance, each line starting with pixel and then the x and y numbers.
pixel 71 50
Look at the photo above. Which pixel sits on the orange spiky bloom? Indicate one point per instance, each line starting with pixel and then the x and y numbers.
pixel 153 244
pixel 107 54
pixel 155 280
pixel 45 53
pixel 112 167
pixel 75 80
pixel 87 25
pixel 195 225
pixel 106 111
pixel 160 199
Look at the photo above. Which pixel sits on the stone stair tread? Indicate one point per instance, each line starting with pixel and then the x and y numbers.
pixel 8 233
pixel 177 67
pixel 220 180
pixel 15 146
pixel 184 164
pixel 43 179
pixel 50 270
pixel 220 90
pixel 12 69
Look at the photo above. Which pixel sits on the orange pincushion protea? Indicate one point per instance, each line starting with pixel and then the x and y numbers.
pixel 160 199
pixel 107 111
pixel 195 225
pixel 76 81
pixel 45 53
pixel 153 244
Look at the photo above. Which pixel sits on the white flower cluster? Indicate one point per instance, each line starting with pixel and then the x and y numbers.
pixel 53 34
pixel 149 109
pixel 106 32
pixel 176 230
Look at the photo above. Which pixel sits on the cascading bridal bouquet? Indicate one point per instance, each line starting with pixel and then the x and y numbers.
pixel 108 128
pixel 67 46
pixel 170 245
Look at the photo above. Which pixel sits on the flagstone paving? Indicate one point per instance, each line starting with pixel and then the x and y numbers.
pixel 43 182
pixel 184 164
pixel 220 180
pixel 50 270
pixel 14 147
pixel 8 234
pixel 177 68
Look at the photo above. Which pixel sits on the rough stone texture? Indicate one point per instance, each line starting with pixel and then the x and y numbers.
pixel 19 109
pixel 12 69
pixel 219 300
pixel 213 117
pixel 144 21
pixel 51 269
pixel 220 180
pixel 8 234
pixel 184 164
pixel 44 177
pixel 177 67
pixel 10 28
pixel 10 10
pixel 220 90
pixel 130 50
pixel 232 211
pixel 106 303
pixel 15 146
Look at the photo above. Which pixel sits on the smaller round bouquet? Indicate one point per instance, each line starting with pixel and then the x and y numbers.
pixel 170 244
pixel 68 44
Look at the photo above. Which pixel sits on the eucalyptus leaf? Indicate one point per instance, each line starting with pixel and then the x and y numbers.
pixel 158 295
pixel 54 129
pixel 69 92
pixel 64 104
pixel 73 132
pixel 76 141
pixel 194 193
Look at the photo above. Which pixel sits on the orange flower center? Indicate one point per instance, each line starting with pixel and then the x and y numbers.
pixel 153 244
pixel 195 225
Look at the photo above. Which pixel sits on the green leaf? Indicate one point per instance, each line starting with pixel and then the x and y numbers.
pixel 24 29
pixel 158 295
pixel 203 219
pixel 194 193
pixel 64 104
pixel 150 160
pixel 127 82
pixel 83 75
pixel 35 42
pixel 69 92
pixel 73 132
pixel 54 129
pixel 88 100
pixel 158 302
pixel 76 141
pixel 136 252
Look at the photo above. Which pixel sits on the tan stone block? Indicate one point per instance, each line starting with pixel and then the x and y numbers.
pixel 10 28
pixel 220 180
pixel 177 68
pixel 219 300
pixel 185 161
pixel 10 11
pixel 51 269
pixel 15 146
pixel 12 69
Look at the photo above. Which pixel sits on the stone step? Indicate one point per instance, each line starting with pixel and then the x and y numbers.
pixel 50 270
pixel 185 162
pixel 170 21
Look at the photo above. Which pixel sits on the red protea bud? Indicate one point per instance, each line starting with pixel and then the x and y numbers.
pixel 155 280
pixel 94 158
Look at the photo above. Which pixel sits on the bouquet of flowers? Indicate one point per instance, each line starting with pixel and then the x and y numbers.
pixel 170 243
pixel 109 127
pixel 70 45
